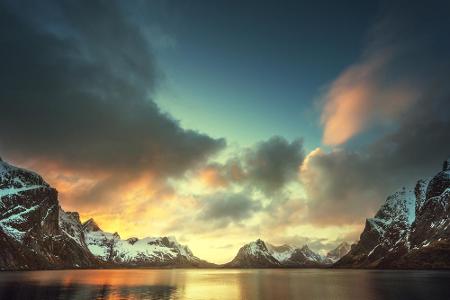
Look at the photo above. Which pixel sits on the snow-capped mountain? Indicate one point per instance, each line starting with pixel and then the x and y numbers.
pixel 149 251
pixel 281 253
pixel 259 254
pixel 305 257
pixel 30 235
pixel 36 233
pixel 254 255
pixel 411 230
pixel 337 253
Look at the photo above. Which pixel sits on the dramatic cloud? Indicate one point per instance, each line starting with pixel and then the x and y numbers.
pixel 256 179
pixel 403 61
pixel 358 98
pixel 77 84
pixel 401 91
pixel 345 186
pixel 77 107
pixel 267 166
pixel 78 81
pixel 273 163
pixel 341 186
pixel 228 208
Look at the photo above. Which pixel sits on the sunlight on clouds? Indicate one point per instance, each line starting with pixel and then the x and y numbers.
pixel 345 115
pixel 144 206
pixel 295 190
pixel 360 96
pixel 211 177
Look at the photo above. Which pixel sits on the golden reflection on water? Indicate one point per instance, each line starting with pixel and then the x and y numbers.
pixel 217 284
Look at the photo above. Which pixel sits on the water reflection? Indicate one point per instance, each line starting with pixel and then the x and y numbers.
pixel 32 291
pixel 224 284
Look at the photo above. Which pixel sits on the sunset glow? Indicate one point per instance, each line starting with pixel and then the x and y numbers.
pixel 219 123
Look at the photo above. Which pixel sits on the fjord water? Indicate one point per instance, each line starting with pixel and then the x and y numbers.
pixel 225 284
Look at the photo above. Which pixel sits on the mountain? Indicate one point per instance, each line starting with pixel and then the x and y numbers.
pixel 337 253
pixel 146 252
pixel 254 255
pixel 410 230
pixel 30 235
pixel 305 257
pixel 259 254
pixel 36 233
pixel 280 253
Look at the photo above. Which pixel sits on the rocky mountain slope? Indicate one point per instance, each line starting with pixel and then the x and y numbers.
pixel 259 254
pixel 35 233
pixel 411 230
pixel 30 235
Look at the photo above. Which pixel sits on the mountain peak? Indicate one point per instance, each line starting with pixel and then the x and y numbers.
pixel 337 253
pixel 254 255
pixel 132 240
pixel 19 179
pixel 445 166
pixel 256 246
pixel 305 248
pixel 73 214
pixel 260 242
pixel 91 225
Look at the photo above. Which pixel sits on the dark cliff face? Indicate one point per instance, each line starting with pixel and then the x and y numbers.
pixel 430 236
pixel 398 237
pixel 385 233
pixel 35 233
pixel 30 235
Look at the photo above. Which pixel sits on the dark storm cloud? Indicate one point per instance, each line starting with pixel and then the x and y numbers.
pixel 268 166
pixel 273 163
pixel 225 208
pixel 348 184
pixel 77 80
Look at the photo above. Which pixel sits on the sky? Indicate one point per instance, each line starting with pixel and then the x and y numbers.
pixel 220 122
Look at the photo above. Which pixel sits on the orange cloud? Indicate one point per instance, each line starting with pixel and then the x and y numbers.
pixel 211 177
pixel 124 201
pixel 345 113
pixel 361 96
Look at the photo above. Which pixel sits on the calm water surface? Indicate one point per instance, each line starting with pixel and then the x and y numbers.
pixel 225 284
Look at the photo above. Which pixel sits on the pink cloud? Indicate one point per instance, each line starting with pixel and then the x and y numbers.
pixel 361 97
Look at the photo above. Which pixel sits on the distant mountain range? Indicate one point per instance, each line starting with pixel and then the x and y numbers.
pixel 259 254
pixel 411 230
